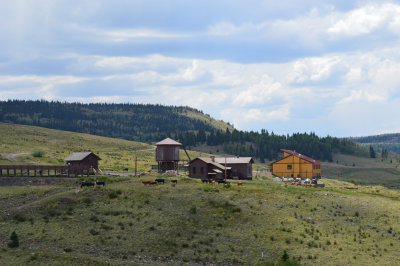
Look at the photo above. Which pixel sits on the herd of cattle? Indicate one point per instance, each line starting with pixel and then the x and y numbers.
pixel 161 181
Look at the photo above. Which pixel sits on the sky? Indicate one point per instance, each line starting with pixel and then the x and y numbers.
pixel 329 67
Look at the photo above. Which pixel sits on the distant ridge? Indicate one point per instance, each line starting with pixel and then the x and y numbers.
pixel 139 122
pixel 390 141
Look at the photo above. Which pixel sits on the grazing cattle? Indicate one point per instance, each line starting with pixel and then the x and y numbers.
pixel 160 180
pixel 221 181
pixel 87 184
pixel 146 182
pixel 100 183
pixel 240 183
pixel 205 181
pixel 174 181
pixel 153 183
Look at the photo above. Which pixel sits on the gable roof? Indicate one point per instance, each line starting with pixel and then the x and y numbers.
pixel 234 160
pixel 79 156
pixel 168 141
pixel 301 156
pixel 208 160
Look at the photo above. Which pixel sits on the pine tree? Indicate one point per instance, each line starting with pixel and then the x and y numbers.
pixel 14 243
pixel 372 152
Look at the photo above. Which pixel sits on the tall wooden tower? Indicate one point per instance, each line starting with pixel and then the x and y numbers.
pixel 167 154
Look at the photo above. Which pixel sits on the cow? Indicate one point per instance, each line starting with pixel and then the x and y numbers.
pixel 153 183
pixel 87 184
pixel 160 180
pixel 100 183
pixel 221 181
pixel 146 182
pixel 239 183
pixel 205 181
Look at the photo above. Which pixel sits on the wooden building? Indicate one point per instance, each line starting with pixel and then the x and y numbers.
pixel 167 154
pixel 295 165
pixel 86 160
pixel 216 168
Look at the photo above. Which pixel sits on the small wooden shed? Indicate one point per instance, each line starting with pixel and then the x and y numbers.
pixel 84 160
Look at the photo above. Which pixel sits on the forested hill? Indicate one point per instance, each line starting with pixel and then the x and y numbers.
pixel 390 142
pixel 151 123
pixel 140 122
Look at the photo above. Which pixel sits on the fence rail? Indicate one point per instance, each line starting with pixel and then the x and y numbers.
pixel 43 170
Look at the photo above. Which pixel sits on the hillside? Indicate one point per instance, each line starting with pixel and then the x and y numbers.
pixel 390 142
pixel 193 223
pixel 150 123
pixel 18 142
pixel 140 122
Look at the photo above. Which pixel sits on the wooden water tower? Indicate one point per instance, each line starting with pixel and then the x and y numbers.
pixel 167 154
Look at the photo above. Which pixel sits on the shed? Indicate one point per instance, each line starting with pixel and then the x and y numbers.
pixel 85 160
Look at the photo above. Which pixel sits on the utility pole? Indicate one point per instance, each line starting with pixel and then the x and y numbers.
pixel 225 168
pixel 135 165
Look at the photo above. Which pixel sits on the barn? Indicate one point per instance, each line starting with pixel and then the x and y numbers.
pixel 216 168
pixel 295 165
pixel 85 160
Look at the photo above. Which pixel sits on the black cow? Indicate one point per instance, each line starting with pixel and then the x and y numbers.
pixel 205 181
pixel 87 184
pixel 100 183
pixel 160 180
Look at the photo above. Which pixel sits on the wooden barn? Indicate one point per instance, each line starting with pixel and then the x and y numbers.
pixel 295 165
pixel 84 160
pixel 167 154
pixel 215 168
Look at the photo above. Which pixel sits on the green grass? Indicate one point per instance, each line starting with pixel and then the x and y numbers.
pixel 116 154
pixel 361 170
pixel 217 124
pixel 201 223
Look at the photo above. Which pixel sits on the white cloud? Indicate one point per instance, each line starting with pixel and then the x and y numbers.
pixel 365 20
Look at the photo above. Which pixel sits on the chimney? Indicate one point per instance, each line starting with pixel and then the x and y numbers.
pixel 212 158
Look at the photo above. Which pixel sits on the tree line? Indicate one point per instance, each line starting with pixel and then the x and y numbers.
pixel 151 123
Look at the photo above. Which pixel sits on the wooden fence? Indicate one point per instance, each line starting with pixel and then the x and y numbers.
pixel 42 170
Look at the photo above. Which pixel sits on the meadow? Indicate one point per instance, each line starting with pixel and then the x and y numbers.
pixel 56 145
pixel 127 222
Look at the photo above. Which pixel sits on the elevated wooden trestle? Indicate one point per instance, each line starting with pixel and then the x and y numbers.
pixel 42 170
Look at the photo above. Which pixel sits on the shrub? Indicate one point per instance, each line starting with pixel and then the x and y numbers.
pixel 112 195
pixel 193 210
pixel 93 232
pixel 14 243
pixel 38 153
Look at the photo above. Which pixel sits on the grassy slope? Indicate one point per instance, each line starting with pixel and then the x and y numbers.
pixel 194 222
pixel 116 154
pixel 218 124
pixel 365 171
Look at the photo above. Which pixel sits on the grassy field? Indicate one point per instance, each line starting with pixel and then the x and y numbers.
pixel 366 171
pixel 129 223
pixel 116 154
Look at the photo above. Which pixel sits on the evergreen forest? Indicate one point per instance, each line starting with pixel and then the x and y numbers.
pixel 151 123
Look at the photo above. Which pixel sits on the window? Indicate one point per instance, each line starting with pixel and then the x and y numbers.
pixel 194 170
pixel 202 170
pixel 289 167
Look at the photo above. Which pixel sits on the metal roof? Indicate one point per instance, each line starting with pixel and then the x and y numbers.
pixel 234 160
pixel 301 156
pixel 168 141
pixel 79 156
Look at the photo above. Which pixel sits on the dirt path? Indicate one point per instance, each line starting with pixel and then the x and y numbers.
pixel 46 198
pixel 13 156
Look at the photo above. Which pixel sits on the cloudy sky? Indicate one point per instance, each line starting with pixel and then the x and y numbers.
pixel 331 67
